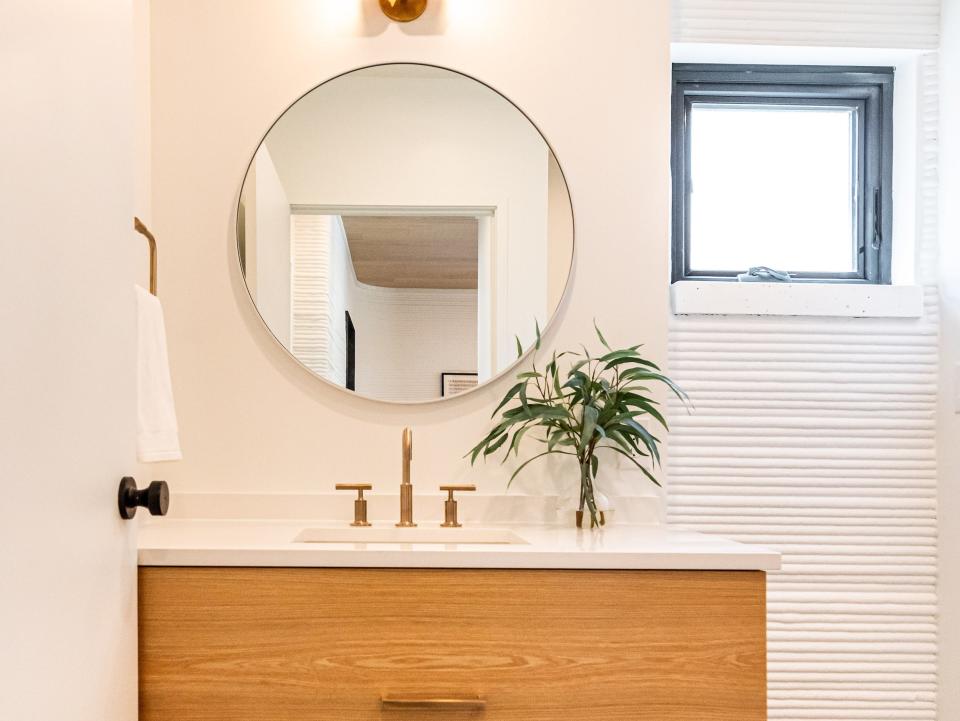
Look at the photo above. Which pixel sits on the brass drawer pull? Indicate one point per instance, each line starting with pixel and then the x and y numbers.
pixel 444 703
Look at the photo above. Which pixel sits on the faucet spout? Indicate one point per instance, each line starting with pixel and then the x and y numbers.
pixel 406 487
pixel 407 455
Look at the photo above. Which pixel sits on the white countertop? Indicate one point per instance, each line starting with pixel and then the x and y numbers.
pixel 202 542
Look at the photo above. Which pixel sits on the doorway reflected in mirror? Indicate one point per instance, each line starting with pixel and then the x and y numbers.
pixel 402 221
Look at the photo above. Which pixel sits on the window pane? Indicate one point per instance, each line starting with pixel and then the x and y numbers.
pixel 772 185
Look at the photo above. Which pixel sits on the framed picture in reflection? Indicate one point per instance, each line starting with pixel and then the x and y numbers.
pixel 452 384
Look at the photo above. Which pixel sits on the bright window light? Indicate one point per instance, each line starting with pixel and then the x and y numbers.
pixel 784 166
pixel 773 185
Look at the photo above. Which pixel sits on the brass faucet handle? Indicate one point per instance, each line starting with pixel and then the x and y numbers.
pixel 354 487
pixel 450 505
pixel 360 504
pixel 458 487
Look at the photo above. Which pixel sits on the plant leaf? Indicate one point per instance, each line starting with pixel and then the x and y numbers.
pixel 556 380
pixel 626 442
pixel 642 374
pixel 524 404
pixel 625 354
pixel 648 440
pixel 648 408
pixel 506 399
pixel 497 430
pixel 577 379
pixel 637 463
pixel 600 335
pixel 495 445
pixel 531 460
pixel 515 443
pixel 589 424
pixel 636 360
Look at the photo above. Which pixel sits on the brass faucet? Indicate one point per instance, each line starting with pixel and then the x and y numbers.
pixel 406 487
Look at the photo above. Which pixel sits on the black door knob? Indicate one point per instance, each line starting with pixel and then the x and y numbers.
pixel 155 498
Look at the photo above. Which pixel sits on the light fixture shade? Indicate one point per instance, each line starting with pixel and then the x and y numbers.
pixel 403 10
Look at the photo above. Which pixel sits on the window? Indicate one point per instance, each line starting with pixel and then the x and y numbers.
pixel 787 167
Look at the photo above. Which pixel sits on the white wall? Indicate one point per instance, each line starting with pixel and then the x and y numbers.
pixel 68 261
pixel 267 215
pixel 406 337
pixel 949 405
pixel 142 149
pixel 486 300
pixel 382 138
pixel 223 70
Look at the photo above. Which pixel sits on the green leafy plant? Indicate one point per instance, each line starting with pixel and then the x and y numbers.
pixel 600 402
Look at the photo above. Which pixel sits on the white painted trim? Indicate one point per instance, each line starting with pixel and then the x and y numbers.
pixel 839 300
pixel 476 211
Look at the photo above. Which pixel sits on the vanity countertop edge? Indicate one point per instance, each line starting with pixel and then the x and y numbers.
pixel 270 543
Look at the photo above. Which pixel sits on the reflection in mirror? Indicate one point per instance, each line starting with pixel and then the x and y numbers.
pixel 400 228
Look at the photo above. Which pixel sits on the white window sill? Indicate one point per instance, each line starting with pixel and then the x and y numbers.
pixel 691 297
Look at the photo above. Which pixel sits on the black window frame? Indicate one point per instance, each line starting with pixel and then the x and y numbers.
pixel 867 89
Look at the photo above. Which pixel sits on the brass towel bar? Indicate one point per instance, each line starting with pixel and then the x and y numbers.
pixel 143 230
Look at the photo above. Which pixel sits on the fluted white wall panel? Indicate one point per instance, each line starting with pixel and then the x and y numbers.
pixel 817 437
pixel 310 291
pixel 842 23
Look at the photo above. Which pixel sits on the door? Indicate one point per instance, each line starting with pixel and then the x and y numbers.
pixel 68 257
pixel 351 332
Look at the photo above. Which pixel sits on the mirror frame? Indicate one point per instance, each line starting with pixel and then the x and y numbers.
pixel 439 399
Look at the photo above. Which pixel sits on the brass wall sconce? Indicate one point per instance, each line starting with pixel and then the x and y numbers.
pixel 403 11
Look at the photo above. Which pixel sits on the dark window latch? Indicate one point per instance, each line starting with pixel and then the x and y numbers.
pixel 877 220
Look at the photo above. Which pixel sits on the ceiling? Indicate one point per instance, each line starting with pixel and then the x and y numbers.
pixel 413 251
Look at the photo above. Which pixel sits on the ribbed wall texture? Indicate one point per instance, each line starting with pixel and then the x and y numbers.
pixel 842 23
pixel 816 437
pixel 310 294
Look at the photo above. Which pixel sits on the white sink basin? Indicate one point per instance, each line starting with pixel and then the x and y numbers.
pixel 426 534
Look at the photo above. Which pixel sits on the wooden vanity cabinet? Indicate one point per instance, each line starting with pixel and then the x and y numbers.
pixel 327 644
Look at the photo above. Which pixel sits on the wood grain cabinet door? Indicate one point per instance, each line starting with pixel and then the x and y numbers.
pixel 276 644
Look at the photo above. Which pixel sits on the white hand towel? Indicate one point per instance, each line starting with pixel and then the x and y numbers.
pixel 157 433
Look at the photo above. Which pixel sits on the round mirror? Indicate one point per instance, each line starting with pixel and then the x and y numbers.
pixel 403 231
